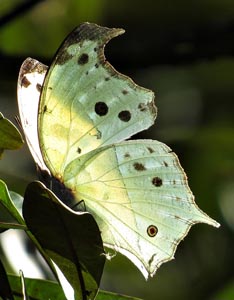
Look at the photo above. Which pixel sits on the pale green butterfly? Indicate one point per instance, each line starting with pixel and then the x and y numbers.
pixel 136 190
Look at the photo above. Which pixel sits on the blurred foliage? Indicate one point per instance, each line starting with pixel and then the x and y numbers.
pixel 183 50
pixel 54 15
pixel 10 137
pixel 227 293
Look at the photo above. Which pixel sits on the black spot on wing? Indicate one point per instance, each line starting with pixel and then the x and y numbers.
pixel 156 181
pixel 45 109
pixel 139 166
pixel 101 108
pixel 124 115
pixel 151 150
pixel 83 59
pixel 124 92
pixel 79 150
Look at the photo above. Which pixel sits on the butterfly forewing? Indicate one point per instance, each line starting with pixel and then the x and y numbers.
pixel 31 77
pixel 85 102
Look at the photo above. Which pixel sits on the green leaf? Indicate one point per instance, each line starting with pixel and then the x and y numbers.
pixel 17 199
pixel 9 214
pixel 37 289
pixel 5 289
pixel 71 239
pixel 104 295
pixel 10 137
pixel 10 217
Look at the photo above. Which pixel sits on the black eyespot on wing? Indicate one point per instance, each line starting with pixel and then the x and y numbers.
pixel 101 108
pixel 156 181
pixel 124 115
pixel 152 230
pixel 165 164
pixel 124 92
pixel 83 59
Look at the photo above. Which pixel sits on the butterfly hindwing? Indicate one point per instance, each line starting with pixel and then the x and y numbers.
pixel 139 196
pixel 85 102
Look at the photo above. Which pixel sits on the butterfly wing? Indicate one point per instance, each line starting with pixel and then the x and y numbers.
pixel 85 102
pixel 136 190
pixel 31 77
pixel 139 195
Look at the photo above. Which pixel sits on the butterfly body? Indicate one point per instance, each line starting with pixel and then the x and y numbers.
pixel 136 190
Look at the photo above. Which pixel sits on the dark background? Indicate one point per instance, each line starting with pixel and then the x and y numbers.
pixel 183 50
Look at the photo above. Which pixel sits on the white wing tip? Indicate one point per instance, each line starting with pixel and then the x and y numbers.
pixel 202 217
pixel 213 223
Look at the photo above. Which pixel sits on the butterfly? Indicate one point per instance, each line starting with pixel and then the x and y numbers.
pixel 76 116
